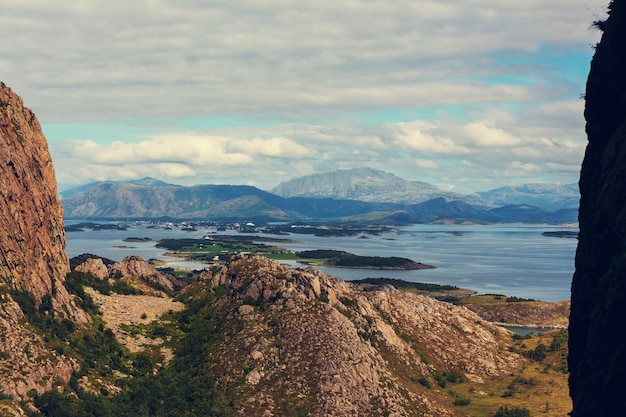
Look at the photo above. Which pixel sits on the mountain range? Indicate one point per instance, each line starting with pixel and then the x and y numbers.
pixel 363 194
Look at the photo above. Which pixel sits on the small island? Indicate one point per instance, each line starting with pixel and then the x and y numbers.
pixel 564 234
pixel 341 259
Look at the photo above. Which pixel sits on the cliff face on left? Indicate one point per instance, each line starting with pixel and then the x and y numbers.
pixel 32 250
pixel 32 242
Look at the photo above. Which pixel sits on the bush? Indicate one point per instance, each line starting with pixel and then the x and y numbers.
pixel 462 402
pixel 538 354
pixel 512 412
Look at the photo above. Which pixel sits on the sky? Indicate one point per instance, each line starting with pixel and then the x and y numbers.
pixel 468 95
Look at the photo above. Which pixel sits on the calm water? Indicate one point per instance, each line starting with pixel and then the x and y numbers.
pixel 511 259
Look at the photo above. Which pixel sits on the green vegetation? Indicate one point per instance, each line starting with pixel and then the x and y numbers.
pixel 42 317
pixel 75 280
pixel 183 388
pixel 512 412
pixel 222 247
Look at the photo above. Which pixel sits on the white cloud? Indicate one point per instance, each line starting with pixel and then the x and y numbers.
pixel 484 136
pixel 278 147
pixel 426 163
pixel 147 58
pixel 425 137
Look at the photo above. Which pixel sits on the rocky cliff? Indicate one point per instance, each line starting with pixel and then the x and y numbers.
pixel 32 252
pixel 598 309
pixel 32 241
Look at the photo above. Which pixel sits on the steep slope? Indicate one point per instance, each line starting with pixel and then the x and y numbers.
pixel 32 256
pixel 597 331
pixel 33 263
pixel 364 184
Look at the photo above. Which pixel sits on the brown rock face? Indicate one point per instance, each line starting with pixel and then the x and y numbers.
pixel 32 252
pixel 597 332
pixel 32 242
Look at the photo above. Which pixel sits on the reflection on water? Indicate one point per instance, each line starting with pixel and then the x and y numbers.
pixel 511 259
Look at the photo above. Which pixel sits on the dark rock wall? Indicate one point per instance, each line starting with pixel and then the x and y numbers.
pixel 598 315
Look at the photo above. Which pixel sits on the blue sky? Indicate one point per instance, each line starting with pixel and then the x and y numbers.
pixel 468 95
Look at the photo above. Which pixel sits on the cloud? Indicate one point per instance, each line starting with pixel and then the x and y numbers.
pixel 155 59
pixel 279 147
pixel 476 90
pixel 426 163
pixel 484 136
pixel 425 137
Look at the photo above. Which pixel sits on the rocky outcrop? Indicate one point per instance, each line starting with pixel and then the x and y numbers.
pixel 137 267
pixel 95 267
pixel 597 331
pixel 134 269
pixel 305 340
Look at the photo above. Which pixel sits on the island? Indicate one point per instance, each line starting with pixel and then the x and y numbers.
pixel 219 248
pixel 341 259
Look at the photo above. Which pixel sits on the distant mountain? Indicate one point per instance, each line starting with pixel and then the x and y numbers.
pixel 550 197
pixel 364 184
pixel 241 202
pixel 82 189
pixel 129 200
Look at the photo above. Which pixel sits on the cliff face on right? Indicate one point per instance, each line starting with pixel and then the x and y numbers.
pixel 598 310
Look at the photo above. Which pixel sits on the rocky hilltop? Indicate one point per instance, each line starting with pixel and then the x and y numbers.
pixel 597 331
pixel 300 338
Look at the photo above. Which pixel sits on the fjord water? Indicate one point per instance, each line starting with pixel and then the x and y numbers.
pixel 511 259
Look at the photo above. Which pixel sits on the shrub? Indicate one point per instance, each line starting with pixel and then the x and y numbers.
pixel 512 412
pixel 462 402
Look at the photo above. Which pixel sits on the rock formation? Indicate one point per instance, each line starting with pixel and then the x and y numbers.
pixel 326 347
pixel 598 310
pixel 32 252
pixel 136 270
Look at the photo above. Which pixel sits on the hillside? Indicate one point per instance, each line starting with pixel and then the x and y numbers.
pixel 256 338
